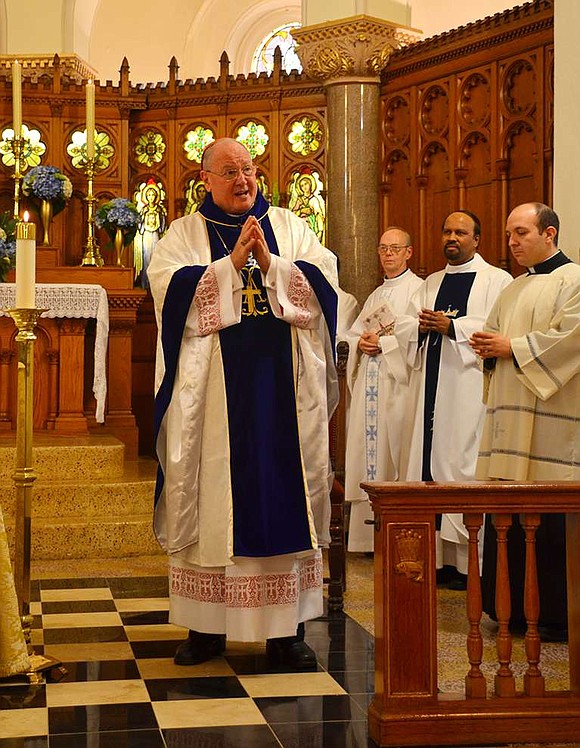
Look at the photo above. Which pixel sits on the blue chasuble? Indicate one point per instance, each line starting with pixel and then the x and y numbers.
pixel 267 480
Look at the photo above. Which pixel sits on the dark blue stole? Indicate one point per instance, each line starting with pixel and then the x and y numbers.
pixel 452 297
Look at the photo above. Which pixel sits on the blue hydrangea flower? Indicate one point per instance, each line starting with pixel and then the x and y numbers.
pixel 118 213
pixel 48 183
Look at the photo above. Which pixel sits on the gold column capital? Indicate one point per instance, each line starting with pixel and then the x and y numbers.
pixel 355 47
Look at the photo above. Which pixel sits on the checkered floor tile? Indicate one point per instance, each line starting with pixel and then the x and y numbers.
pixel 122 689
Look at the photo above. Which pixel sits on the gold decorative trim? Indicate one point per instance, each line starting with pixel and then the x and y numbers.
pixel 356 46
pixel 408 552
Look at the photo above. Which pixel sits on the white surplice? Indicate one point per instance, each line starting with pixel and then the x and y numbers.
pixel 194 515
pixel 377 409
pixel 459 411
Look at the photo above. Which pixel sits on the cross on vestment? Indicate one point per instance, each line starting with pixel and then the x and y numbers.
pixel 252 296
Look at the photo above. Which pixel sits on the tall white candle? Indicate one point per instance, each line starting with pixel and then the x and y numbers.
pixel 90 101
pixel 17 98
pixel 25 264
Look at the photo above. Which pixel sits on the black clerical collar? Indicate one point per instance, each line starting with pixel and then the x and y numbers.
pixel 547 266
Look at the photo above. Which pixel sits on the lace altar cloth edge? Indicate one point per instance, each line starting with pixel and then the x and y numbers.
pixel 73 301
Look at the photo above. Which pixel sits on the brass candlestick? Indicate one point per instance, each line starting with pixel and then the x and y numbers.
pixel 92 256
pixel 24 477
pixel 17 143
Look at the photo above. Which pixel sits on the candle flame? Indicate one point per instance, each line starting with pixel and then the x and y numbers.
pixel 26 216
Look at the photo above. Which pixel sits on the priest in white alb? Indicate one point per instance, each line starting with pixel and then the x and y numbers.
pixel 378 388
pixel 245 385
pixel 442 436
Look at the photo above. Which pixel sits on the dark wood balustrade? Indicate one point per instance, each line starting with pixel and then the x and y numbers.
pixel 408 708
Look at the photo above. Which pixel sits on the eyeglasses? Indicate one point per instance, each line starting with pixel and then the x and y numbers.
pixel 229 175
pixel 393 248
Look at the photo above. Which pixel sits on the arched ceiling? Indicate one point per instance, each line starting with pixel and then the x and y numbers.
pixel 196 32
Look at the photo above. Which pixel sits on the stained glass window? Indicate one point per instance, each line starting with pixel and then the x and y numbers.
pixel 150 148
pixel 254 137
pixel 305 135
pixel 32 147
pixel 305 199
pixel 195 142
pixel 77 149
pixel 195 193
pixel 263 60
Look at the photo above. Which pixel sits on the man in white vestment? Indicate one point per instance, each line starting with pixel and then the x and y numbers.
pixel 378 393
pixel 245 385
pixel 530 346
pixel 445 422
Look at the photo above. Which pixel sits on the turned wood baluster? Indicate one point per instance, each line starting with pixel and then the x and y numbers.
pixel 475 685
pixel 504 678
pixel 533 679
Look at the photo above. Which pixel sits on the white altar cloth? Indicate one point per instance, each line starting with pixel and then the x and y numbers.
pixel 73 301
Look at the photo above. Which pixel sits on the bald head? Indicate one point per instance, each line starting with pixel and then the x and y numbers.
pixel 229 174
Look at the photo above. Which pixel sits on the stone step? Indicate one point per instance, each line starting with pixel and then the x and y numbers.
pixel 90 516
pixel 102 537
pixel 128 494
pixel 57 457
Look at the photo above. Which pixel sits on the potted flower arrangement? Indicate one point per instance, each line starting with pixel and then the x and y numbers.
pixel 52 188
pixel 119 217
pixel 7 244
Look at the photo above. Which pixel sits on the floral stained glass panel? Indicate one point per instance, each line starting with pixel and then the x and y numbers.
pixel 32 148
pixel 77 150
pixel 150 148
pixel 254 137
pixel 195 142
pixel 305 135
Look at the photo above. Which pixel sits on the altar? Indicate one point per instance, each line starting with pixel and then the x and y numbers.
pixel 69 301
pixel 82 375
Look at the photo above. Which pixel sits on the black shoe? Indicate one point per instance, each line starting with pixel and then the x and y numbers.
pixel 198 648
pixel 458 583
pixel 552 634
pixel 291 652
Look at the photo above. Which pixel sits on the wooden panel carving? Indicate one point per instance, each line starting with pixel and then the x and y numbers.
pixel 470 113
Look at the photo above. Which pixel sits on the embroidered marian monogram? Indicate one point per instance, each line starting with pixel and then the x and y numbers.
pixel 253 303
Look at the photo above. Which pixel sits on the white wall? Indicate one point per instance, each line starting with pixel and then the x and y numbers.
pixel 566 117
pixel 149 32
pixel 433 17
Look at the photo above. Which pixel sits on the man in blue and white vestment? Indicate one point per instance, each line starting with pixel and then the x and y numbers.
pixel 245 385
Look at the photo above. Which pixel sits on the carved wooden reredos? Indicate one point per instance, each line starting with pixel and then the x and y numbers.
pixel 466 121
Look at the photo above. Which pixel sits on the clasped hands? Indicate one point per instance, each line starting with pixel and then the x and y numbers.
pixel 490 345
pixel 369 343
pixel 251 241
pixel 485 344
pixel 430 321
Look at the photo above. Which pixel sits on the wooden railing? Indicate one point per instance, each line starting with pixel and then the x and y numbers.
pixel 408 708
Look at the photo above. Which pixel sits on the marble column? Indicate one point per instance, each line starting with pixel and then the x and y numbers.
pixel 347 56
